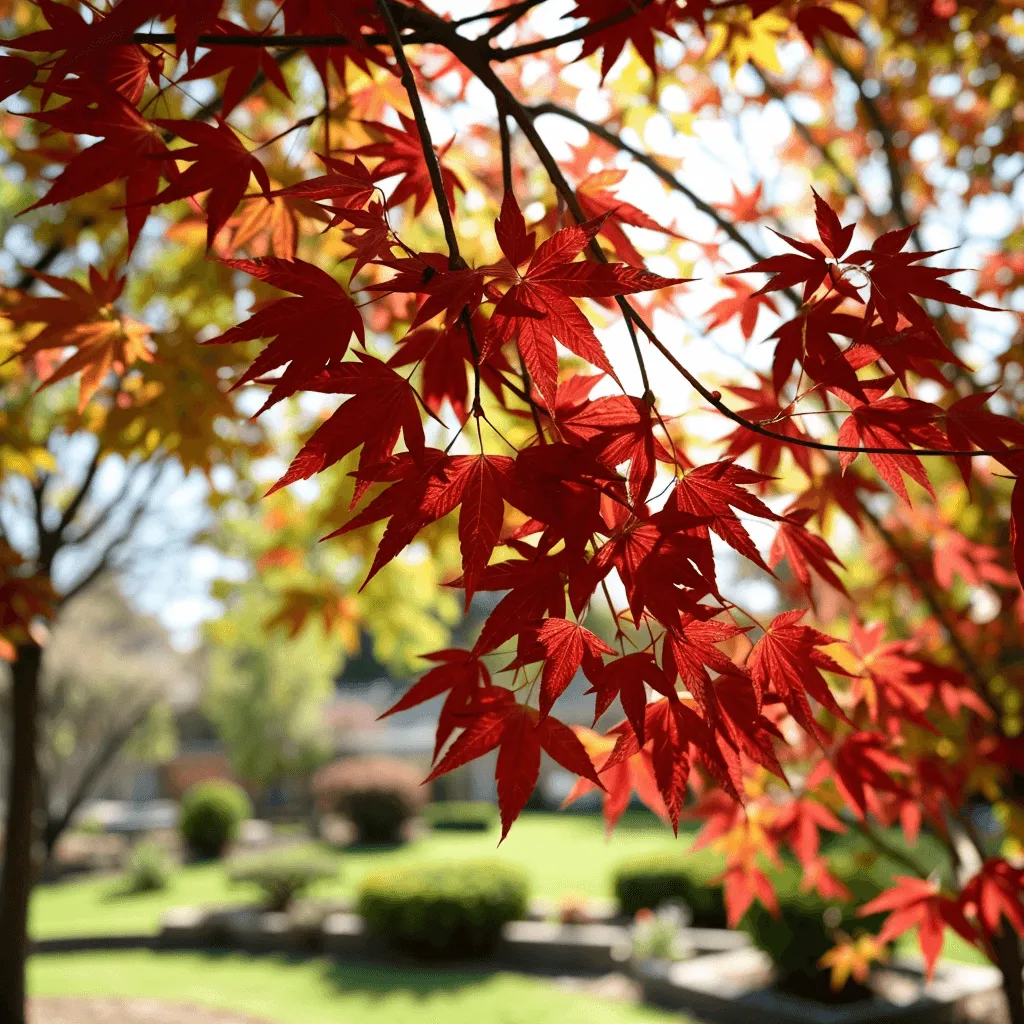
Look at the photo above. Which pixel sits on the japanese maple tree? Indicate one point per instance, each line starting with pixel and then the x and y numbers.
pixel 608 381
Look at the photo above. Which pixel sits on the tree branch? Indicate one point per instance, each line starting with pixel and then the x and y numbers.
pixel 896 184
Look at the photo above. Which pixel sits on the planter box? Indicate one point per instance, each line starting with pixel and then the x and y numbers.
pixel 714 940
pixel 542 945
pixel 344 936
pixel 735 988
pixel 184 928
pixel 597 911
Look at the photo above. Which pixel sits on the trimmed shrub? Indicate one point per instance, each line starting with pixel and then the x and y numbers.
pixel 149 869
pixel 378 795
pixel 808 924
pixel 461 816
pixel 443 910
pixel 799 937
pixel 281 877
pixel 644 883
pixel 211 813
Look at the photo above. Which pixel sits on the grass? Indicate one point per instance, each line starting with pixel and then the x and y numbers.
pixel 563 854
pixel 317 992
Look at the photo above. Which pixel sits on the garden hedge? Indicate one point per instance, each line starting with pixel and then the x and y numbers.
pixel 443 910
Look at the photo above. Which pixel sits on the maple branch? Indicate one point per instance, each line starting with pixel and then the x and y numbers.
pixel 465 51
pixel 646 160
pixel 804 131
pixel 880 843
pixel 510 15
pixel 455 260
pixel 896 183
pixel 212 40
pixel 75 503
pixel 429 154
pixel 714 398
pixel 206 111
pixel 522 115
pixel 572 36
pixel 506 151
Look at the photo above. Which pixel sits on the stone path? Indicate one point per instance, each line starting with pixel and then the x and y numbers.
pixel 104 1010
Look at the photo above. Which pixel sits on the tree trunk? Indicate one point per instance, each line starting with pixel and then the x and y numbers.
pixel 19 834
pixel 1008 959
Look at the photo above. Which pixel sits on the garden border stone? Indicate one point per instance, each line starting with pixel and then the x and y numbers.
pixel 548 945
pixel 735 988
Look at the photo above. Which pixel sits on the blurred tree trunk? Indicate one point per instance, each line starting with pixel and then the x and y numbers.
pixel 16 884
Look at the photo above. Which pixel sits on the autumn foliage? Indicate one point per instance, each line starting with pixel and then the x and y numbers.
pixel 517 374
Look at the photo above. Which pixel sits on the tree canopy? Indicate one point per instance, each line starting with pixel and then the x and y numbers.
pixel 649 304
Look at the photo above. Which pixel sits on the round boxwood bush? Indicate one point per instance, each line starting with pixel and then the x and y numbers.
pixel 443 910
pixel 149 869
pixel 644 883
pixel 283 876
pixel 377 794
pixel 805 929
pixel 211 813
pixel 461 816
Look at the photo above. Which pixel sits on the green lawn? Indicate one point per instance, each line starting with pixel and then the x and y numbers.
pixel 318 992
pixel 562 854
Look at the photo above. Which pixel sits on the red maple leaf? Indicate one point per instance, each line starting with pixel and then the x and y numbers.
pixel 862 767
pixel 897 283
pixel 459 674
pixel 305 353
pixel 813 22
pixel 538 309
pixel 677 736
pixel 742 883
pixel 221 166
pixel 479 483
pixel 521 735
pixel 788 660
pixel 968 423
pixel 620 429
pixel 536 587
pixel 401 153
pixel 243 64
pixel 690 649
pixel 718 489
pixel 129 149
pixel 917 902
pixel 565 646
pixel 745 208
pixel 445 356
pixel 597 202
pixel 893 422
pixel 799 821
pixel 625 678
pixel 805 551
pixel 634 774
pixel 97 52
pixel 995 893
pixel 765 408
pixel 638 28
pixel 744 302
pixel 383 405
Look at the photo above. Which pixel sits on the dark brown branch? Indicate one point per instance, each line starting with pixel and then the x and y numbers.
pixel 509 16
pixel 896 184
pixel 572 36
pixel 805 133
pixel 646 160
pixel 429 153
pixel 212 40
